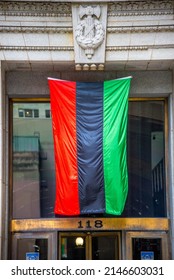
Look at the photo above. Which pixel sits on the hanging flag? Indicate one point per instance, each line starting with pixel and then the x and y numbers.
pixel 90 131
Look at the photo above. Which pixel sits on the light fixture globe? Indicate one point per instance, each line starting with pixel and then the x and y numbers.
pixel 79 241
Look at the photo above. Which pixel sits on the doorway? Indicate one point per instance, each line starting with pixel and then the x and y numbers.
pixel 89 246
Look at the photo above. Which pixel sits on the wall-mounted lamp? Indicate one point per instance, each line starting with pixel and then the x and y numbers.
pixel 79 241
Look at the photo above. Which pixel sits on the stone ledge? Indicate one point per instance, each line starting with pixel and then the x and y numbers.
pixel 36 29
pixel 66 48
pixel 66 29
pixel 137 29
pixel 35 48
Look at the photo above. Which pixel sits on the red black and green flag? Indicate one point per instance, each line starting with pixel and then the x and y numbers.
pixel 90 133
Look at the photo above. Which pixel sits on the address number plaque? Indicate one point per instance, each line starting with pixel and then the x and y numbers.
pixel 87 223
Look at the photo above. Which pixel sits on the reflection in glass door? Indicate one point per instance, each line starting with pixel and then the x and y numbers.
pixel 95 246
pixel 105 247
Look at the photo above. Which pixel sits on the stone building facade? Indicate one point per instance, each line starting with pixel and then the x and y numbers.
pixel 91 41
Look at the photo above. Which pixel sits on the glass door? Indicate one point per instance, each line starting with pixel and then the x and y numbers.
pixel 73 246
pixel 34 246
pixel 147 246
pixel 105 246
pixel 92 246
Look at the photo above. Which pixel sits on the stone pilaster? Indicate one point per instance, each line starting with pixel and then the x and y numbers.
pixel 3 187
pixel 171 168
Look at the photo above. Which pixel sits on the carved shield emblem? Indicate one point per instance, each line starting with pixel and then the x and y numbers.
pixel 89 33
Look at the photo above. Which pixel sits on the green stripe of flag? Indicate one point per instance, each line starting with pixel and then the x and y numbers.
pixel 115 117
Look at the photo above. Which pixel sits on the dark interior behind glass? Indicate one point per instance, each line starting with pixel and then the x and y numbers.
pixel 33 170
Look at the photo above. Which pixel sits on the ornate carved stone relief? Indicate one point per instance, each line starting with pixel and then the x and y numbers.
pixel 122 8
pixel 28 8
pixel 141 8
pixel 89 31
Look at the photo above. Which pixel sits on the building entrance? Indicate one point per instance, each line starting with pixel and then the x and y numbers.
pixel 36 232
pixel 90 245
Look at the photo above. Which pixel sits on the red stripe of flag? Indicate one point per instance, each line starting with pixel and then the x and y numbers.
pixel 63 110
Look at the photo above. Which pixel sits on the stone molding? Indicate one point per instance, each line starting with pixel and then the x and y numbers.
pixel 137 48
pixel 35 48
pixel 127 48
pixel 35 29
pixel 141 8
pixel 63 9
pixel 67 29
pixel 141 29
pixel 65 48
pixel 35 9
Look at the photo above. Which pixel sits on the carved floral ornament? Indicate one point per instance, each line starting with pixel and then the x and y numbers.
pixel 89 32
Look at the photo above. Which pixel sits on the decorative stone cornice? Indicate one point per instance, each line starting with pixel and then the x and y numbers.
pixel 65 48
pixel 137 48
pixel 36 48
pixel 137 29
pixel 67 29
pixel 35 9
pixel 127 48
pixel 63 9
pixel 141 8
pixel 36 29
